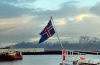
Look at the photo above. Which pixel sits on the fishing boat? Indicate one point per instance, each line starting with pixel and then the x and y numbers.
pixel 10 56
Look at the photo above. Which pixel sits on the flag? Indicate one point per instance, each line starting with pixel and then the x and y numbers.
pixel 63 54
pixel 47 32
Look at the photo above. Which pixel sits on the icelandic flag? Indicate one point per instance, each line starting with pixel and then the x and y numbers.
pixel 47 32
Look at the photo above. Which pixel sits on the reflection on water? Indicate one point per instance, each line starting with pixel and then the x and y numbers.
pixel 36 60
pixel 11 62
pixel 42 60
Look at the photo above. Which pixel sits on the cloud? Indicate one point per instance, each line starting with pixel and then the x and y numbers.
pixel 34 39
pixel 63 11
pixel 85 20
pixel 19 22
pixel 10 23
pixel 95 9
pixel 80 17
pixel 19 29
pixel 16 1
pixel 66 9
pixel 8 10
pixel 88 25
pixel 61 22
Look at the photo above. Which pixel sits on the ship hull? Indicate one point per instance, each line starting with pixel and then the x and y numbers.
pixel 5 57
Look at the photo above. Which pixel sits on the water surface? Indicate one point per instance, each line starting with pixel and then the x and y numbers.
pixel 44 60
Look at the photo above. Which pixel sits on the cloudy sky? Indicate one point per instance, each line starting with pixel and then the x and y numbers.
pixel 23 20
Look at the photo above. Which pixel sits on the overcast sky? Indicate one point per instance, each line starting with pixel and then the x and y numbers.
pixel 23 20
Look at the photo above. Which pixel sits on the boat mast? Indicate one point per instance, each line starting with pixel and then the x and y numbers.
pixel 56 33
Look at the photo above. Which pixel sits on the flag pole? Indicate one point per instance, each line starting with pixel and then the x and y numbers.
pixel 56 33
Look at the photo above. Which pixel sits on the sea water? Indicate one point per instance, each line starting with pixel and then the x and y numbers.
pixel 45 60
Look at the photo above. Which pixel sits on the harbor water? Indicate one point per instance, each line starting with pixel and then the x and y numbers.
pixel 42 60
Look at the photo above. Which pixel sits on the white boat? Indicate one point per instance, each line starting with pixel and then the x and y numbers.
pixel 78 60
pixel 85 61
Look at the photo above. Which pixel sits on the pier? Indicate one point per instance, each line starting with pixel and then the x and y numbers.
pixel 42 51
pixel 23 50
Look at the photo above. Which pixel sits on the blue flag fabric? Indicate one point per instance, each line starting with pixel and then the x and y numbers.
pixel 47 32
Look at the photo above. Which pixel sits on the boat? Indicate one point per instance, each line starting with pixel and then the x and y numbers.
pixel 10 56
pixel 79 60
pixel 84 61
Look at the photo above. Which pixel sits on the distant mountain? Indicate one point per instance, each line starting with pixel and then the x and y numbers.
pixel 67 45
pixel 85 43
pixel 47 45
